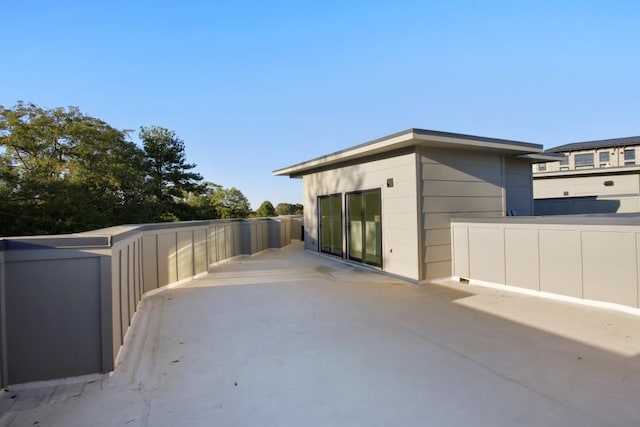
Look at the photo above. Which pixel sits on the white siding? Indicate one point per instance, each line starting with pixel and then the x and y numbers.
pixel 399 207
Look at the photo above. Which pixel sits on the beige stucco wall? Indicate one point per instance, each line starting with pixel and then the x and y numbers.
pixel 560 195
pixel 595 259
pixel 456 183
pixel 399 207
pixel 586 186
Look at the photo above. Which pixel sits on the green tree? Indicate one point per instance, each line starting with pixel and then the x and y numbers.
pixel 266 209
pixel 62 171
pixel 168 176
pixel 230 203
pixel 289 209
pixel 202 202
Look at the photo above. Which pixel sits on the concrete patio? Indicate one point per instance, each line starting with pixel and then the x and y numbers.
pixel 290 338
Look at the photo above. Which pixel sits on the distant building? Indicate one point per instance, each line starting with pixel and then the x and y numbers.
pixel 603 153
pixel 593 177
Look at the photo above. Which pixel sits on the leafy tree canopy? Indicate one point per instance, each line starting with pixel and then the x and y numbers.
pixel 168 175
pixel 62 171
pixel 230 203
pixel 289 209
pixel 266 209
pixel 202 201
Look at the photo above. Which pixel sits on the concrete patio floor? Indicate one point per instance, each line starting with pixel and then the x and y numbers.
pixel 289 338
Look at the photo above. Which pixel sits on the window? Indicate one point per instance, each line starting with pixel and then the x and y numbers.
pixel 584 160
pixel 629 157
pixel 604 156
pixel 565 161
pixel 542 167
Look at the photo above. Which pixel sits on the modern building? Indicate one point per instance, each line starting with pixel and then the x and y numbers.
pixel 592 177
pixel 605 153
pixel 387 203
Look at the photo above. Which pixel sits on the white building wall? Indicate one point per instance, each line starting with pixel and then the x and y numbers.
pixel 592 258
pixel 399 207
pixel 594 185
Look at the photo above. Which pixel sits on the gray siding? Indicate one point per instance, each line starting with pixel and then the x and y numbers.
pixel 44 305
pixel 399 207
pixel 519 187
pixel 66 303
pixel 455 183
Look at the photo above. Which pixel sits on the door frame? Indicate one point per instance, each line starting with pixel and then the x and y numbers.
pixel 363 237
pixel 338 196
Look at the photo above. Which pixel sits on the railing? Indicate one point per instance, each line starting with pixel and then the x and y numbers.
pixel 66 302
pixel 588 257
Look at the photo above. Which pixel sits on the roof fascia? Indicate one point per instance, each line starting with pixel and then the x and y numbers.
pixel 542 157
pixel 408 138
pixel 398 140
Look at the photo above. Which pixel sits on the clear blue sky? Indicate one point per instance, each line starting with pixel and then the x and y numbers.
pixel 253 86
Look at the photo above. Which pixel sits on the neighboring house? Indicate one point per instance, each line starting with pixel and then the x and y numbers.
pixel 387 203
pixel 593 177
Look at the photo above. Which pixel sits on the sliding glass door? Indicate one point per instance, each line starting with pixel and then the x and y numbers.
pixel 365 227
pixel 331 224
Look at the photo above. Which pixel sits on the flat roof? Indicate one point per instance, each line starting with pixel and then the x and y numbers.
pixel 408 138
pixel 294 339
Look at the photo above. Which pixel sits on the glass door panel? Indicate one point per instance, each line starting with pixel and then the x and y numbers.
pixel 355 226
pixel 336 225
pixel 373 228
pixel 330 211
pixel 325 227
pixel 365 227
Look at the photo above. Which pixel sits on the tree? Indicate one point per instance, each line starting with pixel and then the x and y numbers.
pixel 289 209
pixel 230 203
pixel 266 209
pixel 168 176
pixel 202 202
pixel 62 171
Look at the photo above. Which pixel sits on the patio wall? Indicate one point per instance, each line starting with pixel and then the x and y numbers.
pixel 66 302
pixel 594 258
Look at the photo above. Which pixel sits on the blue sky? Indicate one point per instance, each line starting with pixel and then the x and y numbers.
pixel 253 86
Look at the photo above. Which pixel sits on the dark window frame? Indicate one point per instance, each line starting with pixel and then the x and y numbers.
pixel 584 160
pixel 348 230
pixel 330 198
